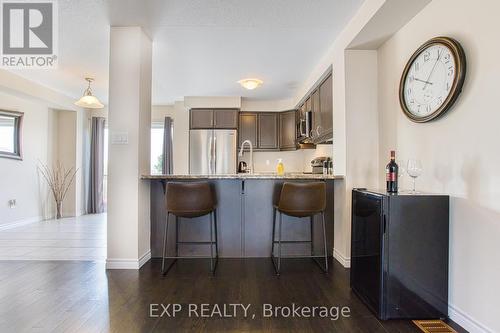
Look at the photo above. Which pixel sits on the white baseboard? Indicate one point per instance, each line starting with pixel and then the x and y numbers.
pixel 21 222
pixel 128 263
pixel 145 258
pixel 343 260
pixel 467 322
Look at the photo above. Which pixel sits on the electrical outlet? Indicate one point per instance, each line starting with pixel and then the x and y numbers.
pixel 268 162
pixel 12 203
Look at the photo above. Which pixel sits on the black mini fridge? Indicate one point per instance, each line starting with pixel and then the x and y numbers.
pixel 399 253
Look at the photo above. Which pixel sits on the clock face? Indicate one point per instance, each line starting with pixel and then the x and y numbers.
pixel 429 80
pixel 432 79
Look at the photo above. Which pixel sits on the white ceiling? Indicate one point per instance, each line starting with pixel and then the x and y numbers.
pixel 201 47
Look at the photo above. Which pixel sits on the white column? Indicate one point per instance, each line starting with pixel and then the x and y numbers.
pixel 129 148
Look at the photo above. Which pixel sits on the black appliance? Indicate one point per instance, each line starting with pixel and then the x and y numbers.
pixel 317 164
pixel 305 126
pixel 399 253
pixel 242 167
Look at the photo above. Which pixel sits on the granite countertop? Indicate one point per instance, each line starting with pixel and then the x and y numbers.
pixel 257 175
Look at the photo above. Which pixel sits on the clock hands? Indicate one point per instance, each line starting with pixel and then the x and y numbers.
pixel 432 70
pixel 426 82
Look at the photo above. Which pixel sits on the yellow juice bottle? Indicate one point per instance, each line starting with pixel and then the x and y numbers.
pixel 280 168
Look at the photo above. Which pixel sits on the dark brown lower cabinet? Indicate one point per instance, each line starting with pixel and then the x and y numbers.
pixel 244 220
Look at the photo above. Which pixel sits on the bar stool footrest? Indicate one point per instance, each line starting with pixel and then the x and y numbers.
pixel 197 243
pixel 292 242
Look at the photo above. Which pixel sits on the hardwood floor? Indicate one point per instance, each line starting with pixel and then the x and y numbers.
pixel 65 296
pixel 70 238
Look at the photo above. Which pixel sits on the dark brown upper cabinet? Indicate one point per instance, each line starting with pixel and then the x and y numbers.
pixel 308 104
pixel 326 108
pixel 316 114
pixel 288 133
pixel 320 102
pixel 248 128
pixel 268 131
pixel 214 118
pixel 261 128
pixel 201 118
pixel 226 118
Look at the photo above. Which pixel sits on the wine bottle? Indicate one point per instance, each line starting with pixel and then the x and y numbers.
pixel 391 174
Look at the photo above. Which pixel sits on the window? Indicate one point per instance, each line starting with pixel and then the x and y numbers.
pixel 10 134
pixel 157 129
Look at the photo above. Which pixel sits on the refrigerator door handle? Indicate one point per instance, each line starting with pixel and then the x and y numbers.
pixel 210 155
pixel 215 156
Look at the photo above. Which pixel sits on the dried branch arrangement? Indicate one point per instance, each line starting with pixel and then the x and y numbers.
pixel 59 180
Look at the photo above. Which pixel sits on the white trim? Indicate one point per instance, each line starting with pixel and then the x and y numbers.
pixel 145 258
pixel 20 223
pixel 128 263
pixel 467 322
pixel 343 260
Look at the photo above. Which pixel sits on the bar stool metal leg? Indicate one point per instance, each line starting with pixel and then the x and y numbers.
pixel 324 241
pixel 324 267
pixel 165 249
pixel 211 244
pixel 311 222
pixel 176 236
pixel 216 241
pixel 274 234
pixel 279 243
pixel 277 265
pixel 164 245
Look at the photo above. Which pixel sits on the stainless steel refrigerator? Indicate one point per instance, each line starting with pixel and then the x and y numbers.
pixel 212 152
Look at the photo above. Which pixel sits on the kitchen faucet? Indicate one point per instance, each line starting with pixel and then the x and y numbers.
pixel 240 154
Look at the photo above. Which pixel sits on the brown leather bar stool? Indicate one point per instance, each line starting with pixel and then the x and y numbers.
pixel 189 200
pixel 300 200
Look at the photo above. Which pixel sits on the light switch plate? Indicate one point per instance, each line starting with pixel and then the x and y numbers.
pixel 119 138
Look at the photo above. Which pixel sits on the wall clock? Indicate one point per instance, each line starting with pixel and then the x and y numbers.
pixel 432 79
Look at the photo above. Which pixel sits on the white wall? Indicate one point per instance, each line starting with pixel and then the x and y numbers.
pixel 191 102
pixel 459 152
pixel 266 105
pixel 49 135
pixel 129 112
pixel 19 179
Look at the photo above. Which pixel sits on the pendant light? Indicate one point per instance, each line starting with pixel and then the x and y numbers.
pixel 88 100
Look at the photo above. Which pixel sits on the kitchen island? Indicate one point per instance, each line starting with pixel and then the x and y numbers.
pixel 244 215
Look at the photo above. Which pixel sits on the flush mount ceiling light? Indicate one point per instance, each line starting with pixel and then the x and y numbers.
pixel 88 100
pixel 250 84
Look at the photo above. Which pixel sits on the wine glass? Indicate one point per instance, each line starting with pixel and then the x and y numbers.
pixel 414 169
pixel 401 172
